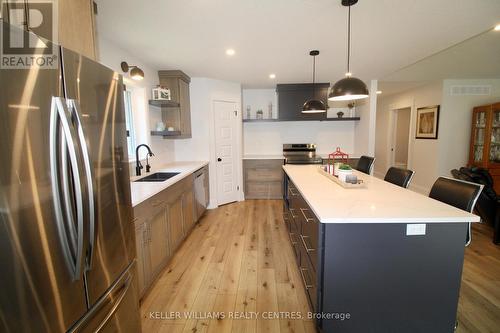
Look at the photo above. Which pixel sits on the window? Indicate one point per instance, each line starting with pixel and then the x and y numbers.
pixel 129 120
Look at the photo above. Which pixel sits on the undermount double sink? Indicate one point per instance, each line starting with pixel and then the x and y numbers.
pixel 158 177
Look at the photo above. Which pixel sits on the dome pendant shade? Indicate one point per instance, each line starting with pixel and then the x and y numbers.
pixel 347 89
pixel 313 106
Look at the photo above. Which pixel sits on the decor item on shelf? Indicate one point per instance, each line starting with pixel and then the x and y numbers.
pixel 427 122
pixel 270 110
pixel 314 105
pixel 348 88
pixel 352 109
pixel 340 114
pixel 161 94
pixel 259 114
pixel 160 126
pixel 135 72
pixel 249 109
pixel 344 171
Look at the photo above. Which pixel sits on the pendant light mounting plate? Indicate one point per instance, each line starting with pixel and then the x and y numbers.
pixel 314 53
pixel 348 3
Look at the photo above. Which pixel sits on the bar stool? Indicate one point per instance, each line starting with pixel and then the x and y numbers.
pixel 398 176
pixel 365 164
pixel 458 193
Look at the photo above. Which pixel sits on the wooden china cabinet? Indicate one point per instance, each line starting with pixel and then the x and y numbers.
pixel 485 140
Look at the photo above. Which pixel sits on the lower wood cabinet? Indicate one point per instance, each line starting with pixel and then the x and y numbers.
pixel 161 224
pixel 263 179
pixel 176 223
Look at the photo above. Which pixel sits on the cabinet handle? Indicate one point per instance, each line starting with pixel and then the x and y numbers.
pixel 302 210
pixel 307 286
pixel 291 213
pixel 145 235
pixel 292 191
pixel 291 238
pixel 156 203
pixel 308 249
pixel 149 233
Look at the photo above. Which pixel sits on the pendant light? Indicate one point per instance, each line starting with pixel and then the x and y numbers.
pixel 348 88
pixel 313 105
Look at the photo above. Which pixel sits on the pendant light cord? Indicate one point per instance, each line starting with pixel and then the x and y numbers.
pixel 349 40
pixel 314 75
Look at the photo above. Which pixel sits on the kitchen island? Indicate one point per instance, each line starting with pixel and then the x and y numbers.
pixel 375 259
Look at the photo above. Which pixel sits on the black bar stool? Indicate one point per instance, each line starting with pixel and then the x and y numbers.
pixel 398 176
pixel 457 193
pixel 365 164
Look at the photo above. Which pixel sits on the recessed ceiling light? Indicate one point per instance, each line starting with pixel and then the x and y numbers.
pixel 272 76
pixel 230 52
pixel 497 27
pixel 379 92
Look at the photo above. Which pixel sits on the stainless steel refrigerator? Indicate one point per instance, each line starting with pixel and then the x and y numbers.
pixel 67 248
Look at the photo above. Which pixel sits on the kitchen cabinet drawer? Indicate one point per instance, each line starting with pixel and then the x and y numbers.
pixel 308 276
pixel 263 190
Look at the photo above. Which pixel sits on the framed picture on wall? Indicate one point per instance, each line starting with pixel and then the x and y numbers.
pixel 427 122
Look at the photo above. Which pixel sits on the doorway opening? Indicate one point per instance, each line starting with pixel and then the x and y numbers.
pixel 401 137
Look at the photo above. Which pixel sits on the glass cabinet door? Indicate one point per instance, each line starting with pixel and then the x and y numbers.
pixel 494 154
pixel 479 128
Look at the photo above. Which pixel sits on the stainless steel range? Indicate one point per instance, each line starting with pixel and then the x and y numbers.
pixel 301 153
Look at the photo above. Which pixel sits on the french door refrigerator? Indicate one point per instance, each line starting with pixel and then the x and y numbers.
pixel 67 248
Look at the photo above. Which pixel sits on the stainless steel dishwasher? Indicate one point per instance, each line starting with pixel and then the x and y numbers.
pixel 201 192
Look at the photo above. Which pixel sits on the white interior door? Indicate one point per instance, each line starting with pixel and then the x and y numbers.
pixel 401 134
pixel 225 116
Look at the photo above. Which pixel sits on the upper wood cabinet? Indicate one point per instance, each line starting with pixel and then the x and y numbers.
pixel 75 20
pixel 176 113
pixel 76 26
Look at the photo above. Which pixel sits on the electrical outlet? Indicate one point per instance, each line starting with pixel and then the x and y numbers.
pixel 415 229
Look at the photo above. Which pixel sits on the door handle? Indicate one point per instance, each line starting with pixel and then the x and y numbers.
pixel 62 134
pixel 306 285
pixel 73 106
pixel 219 159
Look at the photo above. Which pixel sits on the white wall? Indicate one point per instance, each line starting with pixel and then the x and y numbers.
pixel 145 117
pixel 201 146
pixel 364 129
pixel 423 154
pixel 455 122
pixel 268 138
pixel 259 99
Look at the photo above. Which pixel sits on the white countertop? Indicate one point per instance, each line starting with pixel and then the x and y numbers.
pixel 378 202
pixel 142 191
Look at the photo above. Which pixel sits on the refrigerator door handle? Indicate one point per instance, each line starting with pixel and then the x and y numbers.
pixel 113 297
pixel 73 106
pixel 71 239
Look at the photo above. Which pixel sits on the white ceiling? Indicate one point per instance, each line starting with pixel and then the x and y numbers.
pixel 275 36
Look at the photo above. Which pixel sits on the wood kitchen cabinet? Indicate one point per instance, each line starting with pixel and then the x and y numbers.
pixel 263 179
pixel 484 150
pixel 291 98
pixel 76 26
pixel 176 113
pixel 176 223
pixel 162 223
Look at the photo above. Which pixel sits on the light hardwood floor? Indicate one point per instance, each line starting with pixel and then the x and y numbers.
pixel 238 259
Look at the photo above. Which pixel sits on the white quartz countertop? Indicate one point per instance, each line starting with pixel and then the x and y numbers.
pixel 142 191
pixel 378 202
